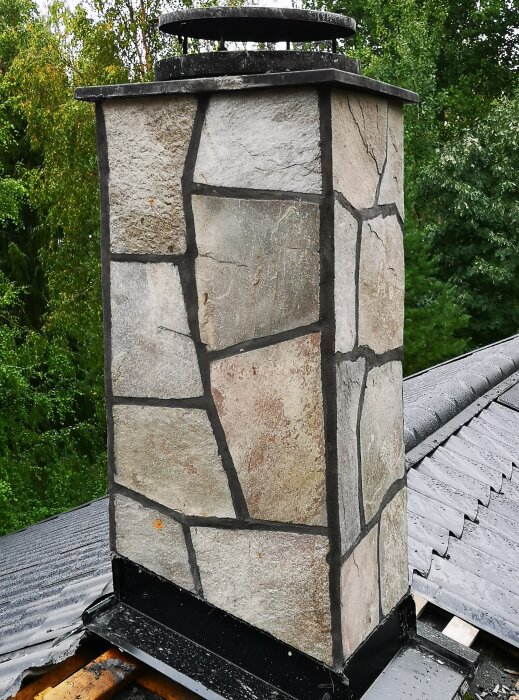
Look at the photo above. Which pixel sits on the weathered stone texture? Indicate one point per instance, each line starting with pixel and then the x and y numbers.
pixel 392 185
pixel 277 581
pixel 350 376
pixel 359 125
pixel 262 139
pixel 258 267
pixel 381 284
pixel 270 405
pixel 148 141
pixel 381 434
pixel 393 552
pixel 152 540
pixel 359 593
pixel 152 353
pixel 346 229
pixel 170 455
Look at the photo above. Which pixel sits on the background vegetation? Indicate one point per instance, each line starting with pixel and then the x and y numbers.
pixel 462 233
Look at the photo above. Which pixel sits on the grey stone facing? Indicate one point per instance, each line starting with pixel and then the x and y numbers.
pixel 393 552
pixel 360 593
pixel 148 139
pixel 263 140
pixel 381 284
pixel 257 270
pixel 277 581
pixel 270 405
pixel 152 540
pixel 381 434
pixel 152 353
pixel 350 376
pixel 392 183
pixel 170 456
pixel 346 229
pixel 359 124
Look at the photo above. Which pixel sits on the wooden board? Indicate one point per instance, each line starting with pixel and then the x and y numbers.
pixel 54 676
pixel 419 603
pixel 164 687
pixel 461 631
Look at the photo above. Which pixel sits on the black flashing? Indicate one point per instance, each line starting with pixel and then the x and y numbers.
pixel 331 77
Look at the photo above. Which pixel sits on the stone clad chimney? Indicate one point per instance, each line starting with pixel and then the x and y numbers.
pixel 253 302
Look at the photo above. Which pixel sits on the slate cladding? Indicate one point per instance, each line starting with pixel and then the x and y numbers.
pixel 462 440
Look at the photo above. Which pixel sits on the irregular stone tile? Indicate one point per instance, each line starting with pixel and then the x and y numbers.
pixel 381 434
pixel 270 405
pixel 350 376
pixel 393 552
pixel 346 229
pixel 152 540
pixel 266 139
pixel 170 455
pixel 152 353
pixel 392 185
pixel 277 581
pixel 359 125
pixel 148 139
pixel 381 284
pixel 265 253
pixel 359 593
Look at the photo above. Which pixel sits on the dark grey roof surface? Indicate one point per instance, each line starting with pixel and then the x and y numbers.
pixel 49 574
pixel 463 508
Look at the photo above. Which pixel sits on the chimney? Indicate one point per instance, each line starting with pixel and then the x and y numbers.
pixel 253 282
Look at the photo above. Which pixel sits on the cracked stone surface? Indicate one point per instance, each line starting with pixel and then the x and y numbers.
pixel 381 434
pixel 170 456
pixel 381 284
pixel 270 405
pixel 392 184
pixel 277 581
pixel 258 267
pixel 350 376
pixel 393 552
pixel 359 593
pixel 346 228
pixel 148 141
pixel 359 125
pixel 152 353
pixel 266 139
pixel 152 540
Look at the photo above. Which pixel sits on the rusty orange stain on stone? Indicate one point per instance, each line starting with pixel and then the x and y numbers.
pixel 158 524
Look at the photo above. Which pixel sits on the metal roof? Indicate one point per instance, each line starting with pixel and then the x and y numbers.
pixel 49 574
pixel 461 419
pixel 463 508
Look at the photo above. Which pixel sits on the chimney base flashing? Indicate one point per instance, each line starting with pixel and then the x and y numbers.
pixel 326 77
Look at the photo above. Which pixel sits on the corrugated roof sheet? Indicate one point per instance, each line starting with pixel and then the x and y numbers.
pixel 49 574
pixel 463 509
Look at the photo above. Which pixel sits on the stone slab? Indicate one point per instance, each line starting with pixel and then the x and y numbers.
pixel 392 183
pixel 360 593
pixel 170 456
pixel 152 353
pixel 257 269
pixel 381 435
pixel 277 581
pixel 393 552
pixel 381 284
pixel 270 404
pixel 152 540
pixel 350 376
pixel 359 124
pixel 265 140
pixel 148 140
pixel 346 232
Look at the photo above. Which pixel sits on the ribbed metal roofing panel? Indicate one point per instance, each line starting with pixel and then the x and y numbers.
pixel 49 574
pixel 475 573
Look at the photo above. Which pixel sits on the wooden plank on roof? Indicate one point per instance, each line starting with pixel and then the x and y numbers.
pixel 164 687
pixel 461 631
pixel 419 603
pixel 100 679
pixel 54 676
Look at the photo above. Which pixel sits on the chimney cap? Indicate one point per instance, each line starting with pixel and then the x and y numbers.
pixel 269 24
